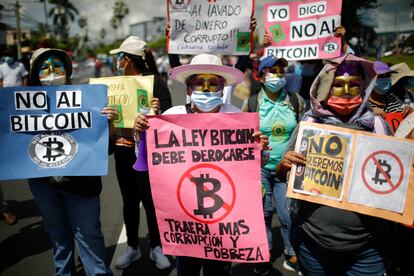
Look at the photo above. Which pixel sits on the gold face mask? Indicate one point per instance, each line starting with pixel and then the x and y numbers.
pixel 346 85
pixel 206 82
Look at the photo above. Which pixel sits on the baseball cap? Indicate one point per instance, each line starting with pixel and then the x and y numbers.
pixel 270 61
pixel 132 45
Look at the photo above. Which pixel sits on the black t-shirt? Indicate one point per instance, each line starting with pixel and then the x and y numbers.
pixel 84 186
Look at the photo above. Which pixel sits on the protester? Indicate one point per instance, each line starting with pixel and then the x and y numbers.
pixel 403 83
pixel 279 111
pixel 405 233
pixel 8 217
pixel 331 241
pixel 136 59
pixel 381 100
pixel 205 78
pixel 69 205
pixel 12 72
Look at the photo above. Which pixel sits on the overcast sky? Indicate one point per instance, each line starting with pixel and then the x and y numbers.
pixel 391 15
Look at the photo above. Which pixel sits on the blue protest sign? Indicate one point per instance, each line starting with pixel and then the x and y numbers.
pixel 53 131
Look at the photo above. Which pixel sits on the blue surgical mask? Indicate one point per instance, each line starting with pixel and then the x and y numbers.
pixel 206 101
pixel 275 84
pixel 119 69
pixel 9 60
pixel 409 84
pixel 382 85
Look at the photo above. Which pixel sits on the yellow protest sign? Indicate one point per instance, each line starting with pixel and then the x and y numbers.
pixel 324 171
pixel 127 94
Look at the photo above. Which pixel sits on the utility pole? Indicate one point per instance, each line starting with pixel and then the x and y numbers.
pixel 19 42
pixel 44 7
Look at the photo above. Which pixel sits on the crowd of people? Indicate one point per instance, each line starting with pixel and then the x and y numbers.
pixel 348 91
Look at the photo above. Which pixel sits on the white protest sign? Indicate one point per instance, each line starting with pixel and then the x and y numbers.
pixel 380 176
pixel 200 26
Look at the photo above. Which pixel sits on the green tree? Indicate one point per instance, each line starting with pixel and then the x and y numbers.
pixel 62 12
pixel 120 10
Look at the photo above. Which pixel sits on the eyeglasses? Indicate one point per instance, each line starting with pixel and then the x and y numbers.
pixel 346 85
pixel 206 83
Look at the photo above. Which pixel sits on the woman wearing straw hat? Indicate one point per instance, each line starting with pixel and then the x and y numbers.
pixel 403 83
pixel 205 78
pixel 382 101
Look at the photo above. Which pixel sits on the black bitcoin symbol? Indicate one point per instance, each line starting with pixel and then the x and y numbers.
pixel 377 179
pixel 53 146
pixel 202 193
pixel 331 48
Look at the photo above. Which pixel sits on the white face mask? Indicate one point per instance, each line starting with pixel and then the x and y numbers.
pixel 53 79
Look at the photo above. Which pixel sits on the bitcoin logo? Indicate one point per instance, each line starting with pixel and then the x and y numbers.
pixel 52 150
pixel 379 177
pixel 179 5
pixel 278 130
pixel 202 193
pixel 382 172
pixel 330 47
pixel 206 193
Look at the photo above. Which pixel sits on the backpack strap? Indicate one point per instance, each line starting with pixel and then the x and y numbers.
pixel 294 101
pixel 252 103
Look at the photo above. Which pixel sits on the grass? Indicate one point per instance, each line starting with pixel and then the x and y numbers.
pixel 409 59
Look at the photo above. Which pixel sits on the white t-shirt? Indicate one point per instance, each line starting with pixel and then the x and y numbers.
pixel 12 75
pixel 181 109
pixel 406 126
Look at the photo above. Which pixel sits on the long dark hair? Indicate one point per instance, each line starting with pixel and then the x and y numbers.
pixel 147 65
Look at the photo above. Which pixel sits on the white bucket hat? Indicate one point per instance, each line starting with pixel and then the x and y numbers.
pixel 206 64
pixel 402 70
pixel 132 45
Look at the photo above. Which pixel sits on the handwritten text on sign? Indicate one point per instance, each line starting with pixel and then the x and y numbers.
pixel 303 30
pixel 355 170
pixel 206 188
pixel 199 26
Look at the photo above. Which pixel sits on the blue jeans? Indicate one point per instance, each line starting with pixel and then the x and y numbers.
pixel 276 189
pixel 68 217
pixel 316 261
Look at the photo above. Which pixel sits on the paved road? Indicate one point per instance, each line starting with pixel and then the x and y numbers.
pixel 26 251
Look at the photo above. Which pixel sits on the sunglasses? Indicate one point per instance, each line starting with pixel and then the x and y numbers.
pixel 213 84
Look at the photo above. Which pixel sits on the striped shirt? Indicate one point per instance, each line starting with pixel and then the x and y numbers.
pixel 393 104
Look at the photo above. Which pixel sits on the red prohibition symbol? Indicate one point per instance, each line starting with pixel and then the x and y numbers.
pixel 185 185
pixel 378 166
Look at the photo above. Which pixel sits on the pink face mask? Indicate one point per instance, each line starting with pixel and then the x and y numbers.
pixel 344 106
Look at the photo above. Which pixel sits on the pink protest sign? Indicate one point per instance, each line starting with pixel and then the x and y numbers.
pixel 303 30
pixel 205 181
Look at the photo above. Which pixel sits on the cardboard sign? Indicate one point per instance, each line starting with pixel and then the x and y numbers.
pixel 205 182
pixel 219 27
pixel 376 170
pixel 394 119
pixel 53 131
pixel 127 94
pixel 303 30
